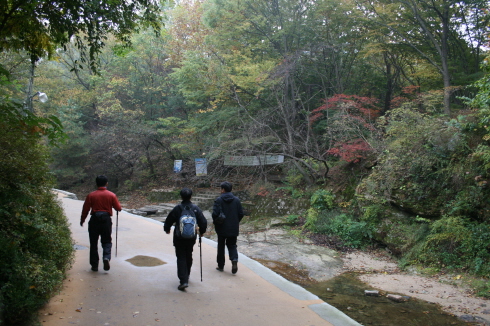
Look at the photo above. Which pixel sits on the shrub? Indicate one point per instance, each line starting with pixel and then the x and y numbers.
pixel 354 233
pixel 35 241
pixel 321 200
pixel 400 236
pixel 459 244
pixel 427 169
pixel 292 219
pixel 481 286
pixel 292 191
pixel 373 213
pixel 325 217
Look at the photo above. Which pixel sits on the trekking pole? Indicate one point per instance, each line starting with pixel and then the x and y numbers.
pixel 117 224
pixel 200 250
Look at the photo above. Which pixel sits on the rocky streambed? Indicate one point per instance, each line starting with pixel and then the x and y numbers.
pixel 403 298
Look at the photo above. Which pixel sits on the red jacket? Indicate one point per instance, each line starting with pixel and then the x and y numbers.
pixel 100 200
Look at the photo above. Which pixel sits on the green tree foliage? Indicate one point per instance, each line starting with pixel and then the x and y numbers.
pixel 424 169
pixel 426 199
pixel 39 26
pixel 69 158
pixel 35 240
pixel 247 76
pixel 455 243
pixel 111 117
pixel 443 33
pixel 482 103
pixel 260 47
pixel 354 94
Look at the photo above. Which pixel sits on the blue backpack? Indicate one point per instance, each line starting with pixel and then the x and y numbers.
pixel 187 223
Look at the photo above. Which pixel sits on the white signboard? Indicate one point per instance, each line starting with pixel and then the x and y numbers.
pixel 254 160
pixel 201 167
pixel 177 166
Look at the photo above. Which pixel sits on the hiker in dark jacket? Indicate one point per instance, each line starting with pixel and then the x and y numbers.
pixel 228 230
pixel 184 247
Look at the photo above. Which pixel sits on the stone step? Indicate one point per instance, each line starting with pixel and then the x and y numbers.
pixel 165 205
pixel 159 212
pixel 153 210
pixel 205 196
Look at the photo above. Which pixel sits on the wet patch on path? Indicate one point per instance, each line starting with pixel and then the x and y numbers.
pixel 300 277
pixel 145 261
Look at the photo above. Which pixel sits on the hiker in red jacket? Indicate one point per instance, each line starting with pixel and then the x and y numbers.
pixel 100 203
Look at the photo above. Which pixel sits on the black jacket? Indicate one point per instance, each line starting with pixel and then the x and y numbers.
pixel 174 216
pixel 232 207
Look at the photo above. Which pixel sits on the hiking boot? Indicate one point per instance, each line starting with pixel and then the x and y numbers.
pixel 219 268
pixel 234 267
pixel 95 269
pixel 182 286
pixel 107 266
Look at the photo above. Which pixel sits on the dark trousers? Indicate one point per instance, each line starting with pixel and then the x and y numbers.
pixel 100 225
pixel 230 243
pixel 184 262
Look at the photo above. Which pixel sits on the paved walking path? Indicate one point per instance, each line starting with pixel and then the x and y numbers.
pixel 148 295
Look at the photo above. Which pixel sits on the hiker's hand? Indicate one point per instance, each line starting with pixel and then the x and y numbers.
pixel 167 232
pixel 81 223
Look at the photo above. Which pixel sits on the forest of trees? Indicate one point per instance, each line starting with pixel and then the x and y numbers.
pixel 303 79
pixel 379 107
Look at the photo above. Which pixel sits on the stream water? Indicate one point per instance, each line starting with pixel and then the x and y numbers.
pixel 346 292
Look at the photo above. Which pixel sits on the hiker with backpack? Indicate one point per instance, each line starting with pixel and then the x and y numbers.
pixel 227 214
pixel 189 223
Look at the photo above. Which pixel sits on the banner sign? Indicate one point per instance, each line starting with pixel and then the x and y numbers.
pixel 177 166
pixel 254 160
pixel 201 167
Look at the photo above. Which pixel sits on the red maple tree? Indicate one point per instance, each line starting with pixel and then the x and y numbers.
pixel 356 106
pixel 351 151
pixel 354 116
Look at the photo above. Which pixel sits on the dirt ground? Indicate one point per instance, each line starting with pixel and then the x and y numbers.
pixel 448 291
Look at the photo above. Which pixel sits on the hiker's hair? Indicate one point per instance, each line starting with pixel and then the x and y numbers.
pixel 101 180
pixel 186 194
pixel 226 186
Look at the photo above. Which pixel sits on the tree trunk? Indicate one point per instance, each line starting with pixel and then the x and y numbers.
pixel 28 101
pixel 389 84
pixel 150 162
pixel 444 60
